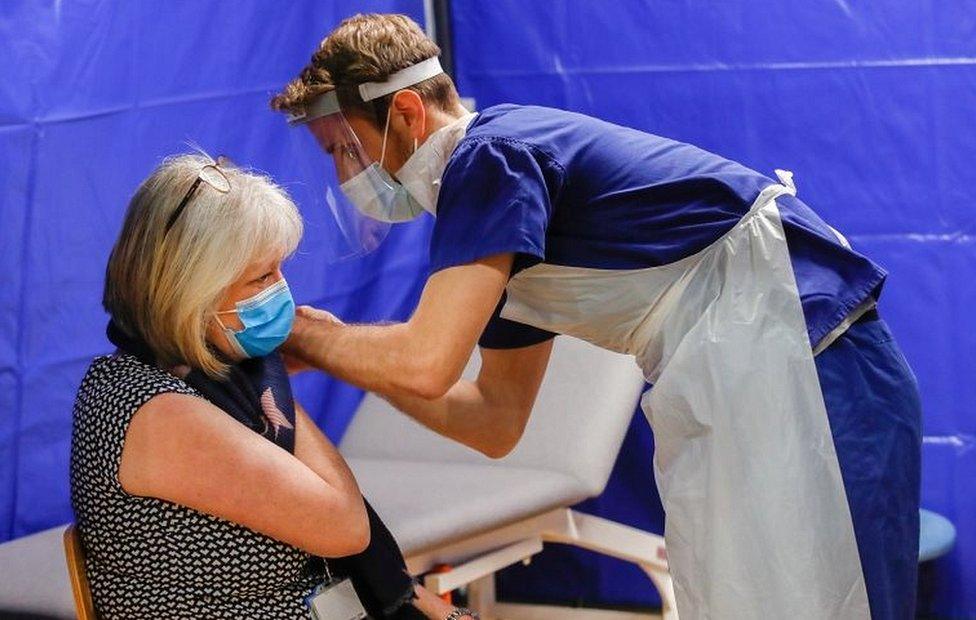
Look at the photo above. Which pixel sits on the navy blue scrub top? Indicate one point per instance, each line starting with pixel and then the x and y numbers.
pixel 572 190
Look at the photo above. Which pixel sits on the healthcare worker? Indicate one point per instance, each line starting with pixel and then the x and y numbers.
pixel 786 421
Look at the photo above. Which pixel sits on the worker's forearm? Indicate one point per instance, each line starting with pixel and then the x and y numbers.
pixel 381 359
pixel 467 416
pixel 378 358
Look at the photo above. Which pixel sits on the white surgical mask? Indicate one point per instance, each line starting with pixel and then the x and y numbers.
pixel 421 174
pixel 376 194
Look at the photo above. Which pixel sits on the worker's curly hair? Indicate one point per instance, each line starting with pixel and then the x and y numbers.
pixel 367 48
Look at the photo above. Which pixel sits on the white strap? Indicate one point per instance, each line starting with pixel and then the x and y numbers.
pixel 840 237
pixel 868 304
pixel 774 191
pixel 401 79
pixel 786 178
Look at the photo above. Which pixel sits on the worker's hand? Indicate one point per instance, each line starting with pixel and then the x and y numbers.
pixel 310 313
pixel 305 316
pixel 293 363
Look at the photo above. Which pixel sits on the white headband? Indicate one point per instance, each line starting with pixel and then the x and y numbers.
pixel 328 103
pixel 419 72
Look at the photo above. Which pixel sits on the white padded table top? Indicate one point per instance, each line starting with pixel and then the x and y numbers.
pixel 427 503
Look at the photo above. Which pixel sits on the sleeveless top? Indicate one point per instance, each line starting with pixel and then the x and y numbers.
pixel 150 558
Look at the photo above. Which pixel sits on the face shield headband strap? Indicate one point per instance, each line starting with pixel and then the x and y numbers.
pixel 328 103
pixel 414 74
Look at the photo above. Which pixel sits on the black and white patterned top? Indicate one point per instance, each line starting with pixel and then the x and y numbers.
pixel 149 558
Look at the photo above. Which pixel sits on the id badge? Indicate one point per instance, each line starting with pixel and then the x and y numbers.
pixel 336 601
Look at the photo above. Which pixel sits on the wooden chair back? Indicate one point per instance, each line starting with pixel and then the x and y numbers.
pixel 75 557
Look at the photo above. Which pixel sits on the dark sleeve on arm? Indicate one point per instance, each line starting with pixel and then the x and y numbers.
pixel 496 198
pixel 505 334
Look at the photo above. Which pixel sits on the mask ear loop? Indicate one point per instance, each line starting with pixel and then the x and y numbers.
pixel 386 130
pixel 416 143
pixel 216 315
pixel 229 334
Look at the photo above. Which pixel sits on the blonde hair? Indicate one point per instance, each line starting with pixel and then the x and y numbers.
pixel 367 48
pixel 164 286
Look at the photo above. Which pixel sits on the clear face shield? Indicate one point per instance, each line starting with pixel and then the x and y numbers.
pixel 362 198
pixel 338 163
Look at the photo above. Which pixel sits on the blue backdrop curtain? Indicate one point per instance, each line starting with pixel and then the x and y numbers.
pixel 93 95
pixel 870 105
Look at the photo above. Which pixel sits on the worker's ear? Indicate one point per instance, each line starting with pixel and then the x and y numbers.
pixel 408 117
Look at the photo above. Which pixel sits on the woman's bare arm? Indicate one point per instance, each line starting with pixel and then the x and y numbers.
pixel 315 450
pixel 183 449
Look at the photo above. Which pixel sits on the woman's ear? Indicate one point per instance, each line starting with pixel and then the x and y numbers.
pixel 408 110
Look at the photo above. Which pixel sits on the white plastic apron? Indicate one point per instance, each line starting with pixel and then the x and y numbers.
pixel 758 526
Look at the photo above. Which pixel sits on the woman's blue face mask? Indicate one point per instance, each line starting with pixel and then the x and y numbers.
pixel 267 318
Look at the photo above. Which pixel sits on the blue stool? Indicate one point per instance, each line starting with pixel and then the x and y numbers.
pixel 936 535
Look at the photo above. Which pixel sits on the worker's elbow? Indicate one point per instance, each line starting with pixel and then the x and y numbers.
pixel 431 380
pixel 428 388
pixel 498 450
pixel 502 442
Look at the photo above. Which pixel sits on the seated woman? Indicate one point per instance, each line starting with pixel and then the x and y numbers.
pixel 200 488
